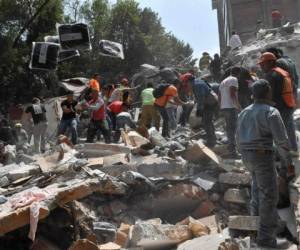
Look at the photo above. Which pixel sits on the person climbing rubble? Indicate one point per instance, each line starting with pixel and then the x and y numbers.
pixel 235 42
pixel 69 119
pixel 123 121
pixel 205 61
pixel 206 104
pixel 38 115
pixel 22 139
pixel 186 95
pixel 149 115
pixel 98 117
pixel 215 67
pixel 230 106
pixel 259 125
pixel 163 93
pixel 282 95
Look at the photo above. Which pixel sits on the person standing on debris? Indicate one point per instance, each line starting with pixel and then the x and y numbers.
pixel 163 93
pixel 113 110
pixel 40 124
pixel 229 105
pixel 98 117
pixel 186 95
pixel 205 61
pixel 235 41
pixel 259 125
pixel 94 83
pixel 215 68
pixel 124 120
pixel 22 138
pixel 149 113
pixel 68 120
pixel 207 102
pixel 283 95
pixel 276 18
pixel 286 64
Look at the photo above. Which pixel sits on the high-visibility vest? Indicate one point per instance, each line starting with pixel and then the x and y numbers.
pixel 287 89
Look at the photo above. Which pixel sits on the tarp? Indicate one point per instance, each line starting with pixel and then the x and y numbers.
pixel 111 49
pixel 76 85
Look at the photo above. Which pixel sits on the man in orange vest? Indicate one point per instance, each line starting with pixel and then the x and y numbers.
pixel 282 94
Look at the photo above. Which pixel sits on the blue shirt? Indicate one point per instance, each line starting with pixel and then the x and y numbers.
pixel 201 90
pixel 259 125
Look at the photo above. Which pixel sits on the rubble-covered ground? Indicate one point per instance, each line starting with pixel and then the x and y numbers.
pixel 146 193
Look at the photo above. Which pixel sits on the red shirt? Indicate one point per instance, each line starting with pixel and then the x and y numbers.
pixel 99 114
pixel 185 78
pixel 116 107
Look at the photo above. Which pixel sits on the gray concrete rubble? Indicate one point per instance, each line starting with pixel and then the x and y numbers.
pixel 180 195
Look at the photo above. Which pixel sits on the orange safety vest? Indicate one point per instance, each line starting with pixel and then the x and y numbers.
pixel 287 90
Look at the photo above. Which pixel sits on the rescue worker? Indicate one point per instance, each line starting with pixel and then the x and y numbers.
pixel 169 92
pixel 22 138
pixel 186 95
pixel 282 94
pixel 259 126
pixel 149 113
pixel 206 104
pixel 69 120
pixel 98 117
pixel 40 124
pixel 123 120
pixel 229 105
pixel 215 68
pixel 94 83
pixel 205 61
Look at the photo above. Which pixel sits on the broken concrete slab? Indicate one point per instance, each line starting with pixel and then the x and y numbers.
pixel 246 223
pixel 136 139
pixel 235 179
pixel 235 195
pixel 156 138
pixel 205 181
pixel 211 223
pixel 207 242
pixel 23 171
pixel 197 152
pixel 92 150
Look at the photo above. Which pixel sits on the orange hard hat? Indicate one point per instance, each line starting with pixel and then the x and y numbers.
pixel 267 56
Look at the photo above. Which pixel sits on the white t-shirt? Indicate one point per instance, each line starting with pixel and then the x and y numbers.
pixel 235 42
pixel 226 100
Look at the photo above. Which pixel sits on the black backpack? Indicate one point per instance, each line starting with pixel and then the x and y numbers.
pixel 159 91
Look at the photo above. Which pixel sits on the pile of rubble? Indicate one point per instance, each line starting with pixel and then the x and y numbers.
pixel 146 194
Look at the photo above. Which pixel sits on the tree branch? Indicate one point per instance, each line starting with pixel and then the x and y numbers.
pixel 29 22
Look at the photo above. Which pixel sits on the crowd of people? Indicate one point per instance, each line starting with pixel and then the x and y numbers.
pixel 258 113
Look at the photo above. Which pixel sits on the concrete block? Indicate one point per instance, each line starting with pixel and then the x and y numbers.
pixel 239 196
pixel 23 171
pixel 247 223
pixel 235 179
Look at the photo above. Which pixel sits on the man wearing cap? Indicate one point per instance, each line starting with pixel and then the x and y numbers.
pixel 259 125
pixel 68 120
pixel 282 94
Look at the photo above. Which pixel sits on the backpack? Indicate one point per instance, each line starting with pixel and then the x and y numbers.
pixel 287 90
pixel 159 91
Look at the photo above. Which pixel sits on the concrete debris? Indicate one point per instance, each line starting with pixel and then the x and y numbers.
pixel 234 195
pixel 247 223
pixel 235 179
pixel 109 246
pixel 84 245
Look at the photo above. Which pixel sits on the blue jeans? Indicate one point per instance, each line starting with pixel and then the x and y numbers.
pixel 172 113
pixel 231 116
pixel 288 120
pixel 69 124
pixel 264 193
pixel 164 115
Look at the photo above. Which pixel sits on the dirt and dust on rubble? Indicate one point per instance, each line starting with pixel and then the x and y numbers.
pixel 146 193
